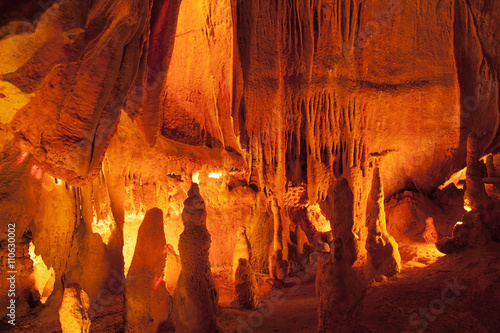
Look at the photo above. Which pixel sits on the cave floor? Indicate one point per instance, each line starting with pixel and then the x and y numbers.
pixel 410 302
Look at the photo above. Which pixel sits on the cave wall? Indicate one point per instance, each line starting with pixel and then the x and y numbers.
pixel 122 102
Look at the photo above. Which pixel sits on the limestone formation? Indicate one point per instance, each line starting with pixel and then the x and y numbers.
pixel 383 254
pixel 338 208
pixel 246 290
pixel 340 293
pixel 196 297
pixel 146 269
pixel 241 249
pixel 73 314
pixel 172 269
pixel 490 166
pixel 430 234
pixel 278 269
pixel 475 196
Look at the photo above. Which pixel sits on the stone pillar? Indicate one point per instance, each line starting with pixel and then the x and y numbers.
pixel 475 196
pixel 340 293
pixel 242 249
pixel 145 273
pixel 246 294
pixel 196 298
pixel 338 208
pixel 73 313
pixel 383 253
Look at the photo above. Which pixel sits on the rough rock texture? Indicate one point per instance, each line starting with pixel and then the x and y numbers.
pixel 338 208
pixel 73 73
pixel 340 292
pixel 383 254
pixel 241 250
pixel 246 294
pixel 142 288
pixel 278 269
pixel 196 297
pixel 475 196
pixel 73 314
pixel 430 234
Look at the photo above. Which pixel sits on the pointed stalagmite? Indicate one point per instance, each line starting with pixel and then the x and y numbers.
pixel 196 297
pixel 241 250
pixel 246 291
pixel 340 293
pixel 430 234
pixel 383 253
pixel 338 208
pixel 146 270
pixel 73 314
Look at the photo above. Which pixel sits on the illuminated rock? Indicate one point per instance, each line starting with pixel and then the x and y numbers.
pixel 146 269
pixel 278 269
pixel 241 250
pixel 196 297
pixel 246 291
pixel 172 269
pixel 73 314
pixel 430 234
pixel 338 208
pixel 475 196
pixel 340 293
pixel 383 254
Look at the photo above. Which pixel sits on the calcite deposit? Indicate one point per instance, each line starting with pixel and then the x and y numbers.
pixel 196 296
pixel 300 122
pixel 383 253
pixel 340 293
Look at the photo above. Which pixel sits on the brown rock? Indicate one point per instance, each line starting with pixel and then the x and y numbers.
pixel 278 269
pixel 146 269
pixel 73 314
pixel 338 208
pixel 383 254
pixel 196 297
pixel 430 234
pixel 340 293
pixel 246 291
pixel 475 196
pixel 241 249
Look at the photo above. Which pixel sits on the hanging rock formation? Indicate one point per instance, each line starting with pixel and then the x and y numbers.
pixel 73 314
pixel 340 293
pixel 146 269
pixel 246 291
pixel 196 297
pixel 383 254
pixel 338 208
pixel 241 250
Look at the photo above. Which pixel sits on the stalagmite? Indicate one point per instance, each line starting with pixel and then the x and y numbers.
pixel 430 233
pixel 241 249
pixel 146 269
pixel 73 314
pixel 481 223
pixel 490 166
pixel 196 297
pixel 338 208
pixel 278 269
pixel 246 291
pixel 383 254
pixel 475 196
pixel 340 292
